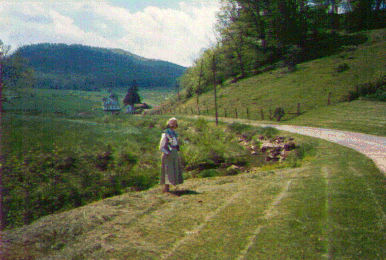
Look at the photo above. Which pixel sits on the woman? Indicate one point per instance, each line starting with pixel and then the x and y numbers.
pixel 171 171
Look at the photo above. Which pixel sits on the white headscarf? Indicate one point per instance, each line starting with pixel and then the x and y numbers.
pixel 173 119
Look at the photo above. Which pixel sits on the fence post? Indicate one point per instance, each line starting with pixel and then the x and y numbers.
pixel 247 114
pixel 236 112
pixel 225 112
pixel 298 110
pixel 262 113
pixel 191 109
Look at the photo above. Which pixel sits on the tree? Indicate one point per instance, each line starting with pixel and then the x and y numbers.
pixel 287 24
pixel 231 29
pixel 16 76
pixel 3 53
pixel 198 89
pixel 132 97
pixel 213 67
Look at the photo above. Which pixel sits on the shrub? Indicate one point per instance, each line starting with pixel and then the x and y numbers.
pixel 307 149
pixel 238 128
pixel 269 132
pixel 206 147
pixel 279 113
pixel 208 173
pixel 341 68
pixel 379 95
pixel 372 89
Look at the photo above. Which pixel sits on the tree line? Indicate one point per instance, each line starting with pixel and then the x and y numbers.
pixel 254 36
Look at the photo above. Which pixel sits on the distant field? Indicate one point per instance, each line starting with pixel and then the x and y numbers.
pixel 72 102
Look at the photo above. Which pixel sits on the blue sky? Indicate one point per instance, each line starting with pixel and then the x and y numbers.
pixel 170 30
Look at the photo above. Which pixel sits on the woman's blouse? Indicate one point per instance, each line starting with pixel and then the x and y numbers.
pixel 168 141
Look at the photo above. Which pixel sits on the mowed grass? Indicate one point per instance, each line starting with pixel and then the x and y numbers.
pixel 309 86
pixel 332 207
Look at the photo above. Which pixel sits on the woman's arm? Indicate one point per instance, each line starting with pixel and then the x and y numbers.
pixel 162 145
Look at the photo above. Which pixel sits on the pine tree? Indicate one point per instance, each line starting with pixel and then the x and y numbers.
pixel 132 97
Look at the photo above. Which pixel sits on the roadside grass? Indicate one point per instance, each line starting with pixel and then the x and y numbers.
pixel 358 116
pixel 309 85
pixel 332 207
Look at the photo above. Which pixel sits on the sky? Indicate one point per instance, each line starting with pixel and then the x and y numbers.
pixel 169 30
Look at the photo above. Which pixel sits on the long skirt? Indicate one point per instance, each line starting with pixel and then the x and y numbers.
pixel 171 170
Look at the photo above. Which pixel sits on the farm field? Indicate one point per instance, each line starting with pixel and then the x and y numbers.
pixel 71 102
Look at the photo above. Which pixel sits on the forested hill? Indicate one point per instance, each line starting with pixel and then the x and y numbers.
pixel 78 67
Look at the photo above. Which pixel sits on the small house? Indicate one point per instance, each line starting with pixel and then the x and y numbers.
pixel 111 104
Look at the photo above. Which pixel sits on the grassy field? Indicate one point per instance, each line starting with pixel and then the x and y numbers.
pixel 72 102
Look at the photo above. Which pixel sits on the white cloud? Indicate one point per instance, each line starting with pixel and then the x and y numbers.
pixel 173 35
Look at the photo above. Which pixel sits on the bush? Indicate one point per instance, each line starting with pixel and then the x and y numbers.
pixel 304 150
pixel 208 173
pixel 239 128
pixel 370 89
pixel 379 95
pixel 341 68
pixel 279 113
pixel 207 148
pixel 269 132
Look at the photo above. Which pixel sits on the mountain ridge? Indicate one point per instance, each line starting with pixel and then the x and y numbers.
pixel 79 67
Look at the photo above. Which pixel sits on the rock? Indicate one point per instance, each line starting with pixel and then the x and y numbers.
pixel 233 167
pixel 233 170
pixel 274 154
pixel 254 153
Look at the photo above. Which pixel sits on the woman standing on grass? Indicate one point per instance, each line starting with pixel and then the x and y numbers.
pixel 171 171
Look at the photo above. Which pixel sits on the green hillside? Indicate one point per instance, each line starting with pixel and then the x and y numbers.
pixel 78 67
pixel 309 85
